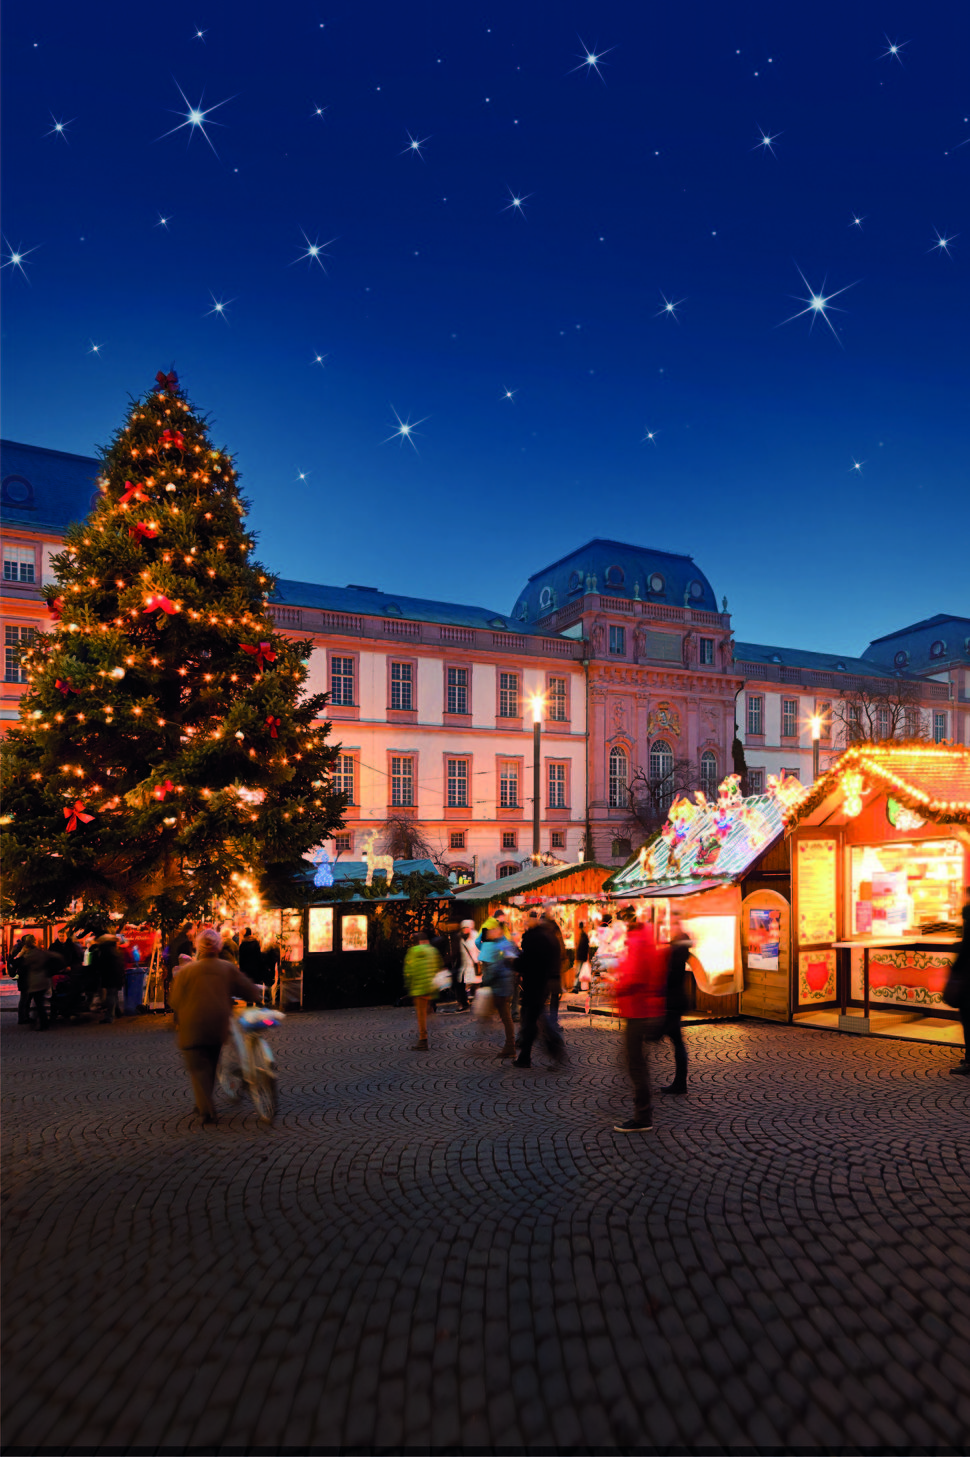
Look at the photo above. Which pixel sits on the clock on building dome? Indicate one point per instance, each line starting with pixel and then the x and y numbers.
pixel 616 569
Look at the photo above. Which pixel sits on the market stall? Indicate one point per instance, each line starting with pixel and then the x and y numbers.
pixel 881 865
pixel 574 890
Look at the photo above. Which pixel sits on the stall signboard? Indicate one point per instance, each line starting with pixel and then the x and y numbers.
pixel 816 976
pixel 764 938
pixel 292 932
pixel 320 930
pixel 144 942
pixel 815 863
pixel 916 978
pixel 353 933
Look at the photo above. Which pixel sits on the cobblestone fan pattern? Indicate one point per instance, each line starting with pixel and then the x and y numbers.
pixel 439 1249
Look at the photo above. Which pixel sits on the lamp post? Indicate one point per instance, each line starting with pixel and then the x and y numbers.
pixel 815 723
pixel 536 773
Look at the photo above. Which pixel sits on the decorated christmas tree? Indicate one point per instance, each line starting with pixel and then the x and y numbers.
pixel 166 749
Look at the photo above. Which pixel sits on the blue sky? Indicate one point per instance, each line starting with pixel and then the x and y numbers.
pixel 643 181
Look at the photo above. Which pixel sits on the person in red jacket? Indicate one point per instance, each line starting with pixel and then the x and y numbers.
pixel 640 985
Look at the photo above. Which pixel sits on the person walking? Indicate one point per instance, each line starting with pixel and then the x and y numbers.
pixel 181 944
pixel 230 946
pixel 550 925
pixel 538 967
pixel 582 956
pixel 35 964
pixel 468 955
pixel 677 958
pixel 110 966
pixel 421 965
pixel 20 969
pixel 959 983
pixel 251 956
pixel 202 996
pixel 497 962
pixel 640 982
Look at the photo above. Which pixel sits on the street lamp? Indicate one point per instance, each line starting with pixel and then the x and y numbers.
pixel 536 704
pixel 815 724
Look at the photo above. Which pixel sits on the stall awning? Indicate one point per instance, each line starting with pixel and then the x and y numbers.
pixel 582 877
pixel 671 889
pixel 931 780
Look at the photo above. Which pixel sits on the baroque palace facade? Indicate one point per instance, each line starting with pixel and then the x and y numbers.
pixel 639 676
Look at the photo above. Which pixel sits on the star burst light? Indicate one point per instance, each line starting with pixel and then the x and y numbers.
pixel 406 429
pixel 16 256
pixel 893 48
pixel 315 252
pixel 302 475
pixel 319 111
pixel 60 127
pixel 858 221
pixel 650 435
pixel 670 307
pixel 518 201
pixel 219 306
pixel 196 119
pixel 163 222
pixel 199 34
pixel 414 146
pixel 95 348
pixel 320 359
pixel 942 244
pixel 509 394
pixel 591 60
pixel 766 144
pixel 856 467
pixel 818 305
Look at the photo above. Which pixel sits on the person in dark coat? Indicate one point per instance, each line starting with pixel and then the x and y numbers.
pixel 68 950
pixel 250 956
pixel 680 944
pixel 539 977
pixel 19 969
pixel 961 972
pixel 108 960
pixel 181 944
pixel 35 965
pixel 582 955
pixel 202 996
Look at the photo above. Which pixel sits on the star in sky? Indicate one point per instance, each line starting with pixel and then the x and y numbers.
pixel 163 222
pixel 15 257
pixel 405 430
pixel 219 306
pixel 59 128
pixel 670 307
pixel 302 475
pixel 893 49
pixel 856 467
pixel 414 146
pixel 650 435
pixel 320 111
pixel 766 142
pixel 196 119
pixel 517 203
pixel 942 244
pixel 320 359
pixel 818 305
pixel 509 394
pixel 315 252
pixel 200 34
pixel 95 348
pixel 858 221
pixel 591 60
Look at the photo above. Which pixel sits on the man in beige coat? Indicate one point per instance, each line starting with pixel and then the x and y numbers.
pixel 202 996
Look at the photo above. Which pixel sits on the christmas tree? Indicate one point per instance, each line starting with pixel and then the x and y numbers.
pixel 166 750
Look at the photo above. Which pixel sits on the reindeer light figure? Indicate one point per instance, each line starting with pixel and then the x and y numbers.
pixel 373 861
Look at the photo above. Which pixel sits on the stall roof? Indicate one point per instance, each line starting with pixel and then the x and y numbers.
pixel 525 880
pixel 932 780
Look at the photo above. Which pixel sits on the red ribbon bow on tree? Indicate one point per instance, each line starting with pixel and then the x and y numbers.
pixel 273 724
pixel 161 790
pixel 65 685
pixel 75 812
pixel 134 492
pixel 55 608
pixel 173 440
pixel 263 653
pixel 158 602
pixel 167 381
pixel 142 530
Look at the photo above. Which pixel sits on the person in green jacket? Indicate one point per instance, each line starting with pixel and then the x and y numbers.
pixel 421 965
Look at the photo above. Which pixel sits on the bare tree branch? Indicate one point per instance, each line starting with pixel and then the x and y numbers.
pixel 890 711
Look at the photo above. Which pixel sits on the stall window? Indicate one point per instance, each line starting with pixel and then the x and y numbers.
pixel 904 886
pixel 619 775
pixel 789 718
pixel 756 713
pixel 402 779
pixel 709 773
pixel 939 727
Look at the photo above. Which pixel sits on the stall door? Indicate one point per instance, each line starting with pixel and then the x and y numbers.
pixel 765 954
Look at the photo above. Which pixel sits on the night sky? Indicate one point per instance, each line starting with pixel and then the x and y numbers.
pixel 643 182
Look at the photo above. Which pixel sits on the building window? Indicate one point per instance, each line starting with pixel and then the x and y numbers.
pixel 342 844
pixel 14 639
pixel 508 695
pixel 853 723
pixel 789 718
pixel 510 840
pixel 756 781
pixel 792 773
pixel 402 686
pixel 662 772
pixel 911 723
pixel 707 652
pixel 939 727
pixel 504 871
pixel 620 848
pixel 556 698
pixel 18 563
pixel 457 784
pixel 402 779
pixel 557 786
pixel 457 690
pixel 882 723
pixel 559 839
pixel 508 785
pixel 618 641
pixel 457 840
pixel 756 713
pixel 619 775
pixel 709 774
pixel 342 681
pixel 343 777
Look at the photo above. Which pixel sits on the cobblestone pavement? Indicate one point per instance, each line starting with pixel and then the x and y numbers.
pixel 441 1250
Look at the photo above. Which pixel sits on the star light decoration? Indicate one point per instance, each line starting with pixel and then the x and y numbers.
pixel 315 252
pixel 509 394
pixel 319 111
pixel 60 127
pixel 163 222
pixel 414 146
pixel 517 203
pixel 855 468
pixel 858 221
pixel 893 48
pixel 16 256
pixel 591 60
pixel 406 429
pixel 818 305
pixel 200 34
pixel 650 435
pixel 942 244
pixel 219 306
pixel 670 307
pixel 302 475
pixel 320 359
pixel 196 118
pixel 766 144
pixel 95 348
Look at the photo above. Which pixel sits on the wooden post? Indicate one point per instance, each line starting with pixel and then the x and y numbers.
pixel 865 982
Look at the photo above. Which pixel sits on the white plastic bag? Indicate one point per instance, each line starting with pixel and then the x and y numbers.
pixel 442 980
pixel 483 1005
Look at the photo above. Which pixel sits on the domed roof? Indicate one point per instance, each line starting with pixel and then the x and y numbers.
pixel 620 570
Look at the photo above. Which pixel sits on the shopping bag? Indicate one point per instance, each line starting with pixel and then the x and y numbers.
pixel 442 980
pixel 483 1005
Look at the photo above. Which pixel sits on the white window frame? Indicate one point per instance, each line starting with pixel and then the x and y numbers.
pixel 344 774
pixel 402 686
pixel 789 721
pixel 508 784
pixel 939 725
pixel 709 781
pixel 342 673
pixel 19 565
pixel 706 654
pixel 755 714
pixel 508 695
pixel 557 784
pixel 15 639
pixel 456 783
pixel 402 780
pixel 557 700
pixel 618 636
pixel 456 689
pixel 619 779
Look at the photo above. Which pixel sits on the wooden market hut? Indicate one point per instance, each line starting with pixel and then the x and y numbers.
pixel 574 888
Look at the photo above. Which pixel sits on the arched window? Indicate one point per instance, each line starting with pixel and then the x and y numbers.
pixel 709 774
pixel 619 777
pixel 502 872
pixel 662 773
pixel 614 576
